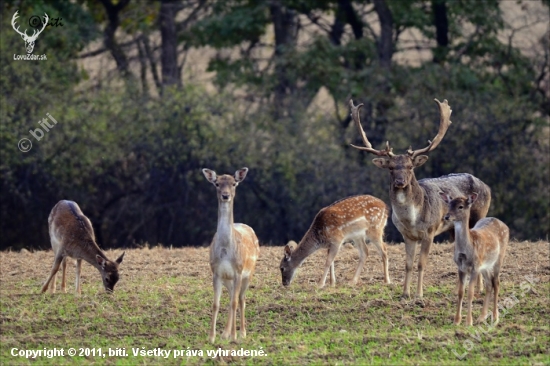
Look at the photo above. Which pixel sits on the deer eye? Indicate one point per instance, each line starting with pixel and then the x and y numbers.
pixel 234 184
pixel 460 207
pixel 217 184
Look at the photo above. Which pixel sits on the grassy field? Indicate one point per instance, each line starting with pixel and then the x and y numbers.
pixel 163 301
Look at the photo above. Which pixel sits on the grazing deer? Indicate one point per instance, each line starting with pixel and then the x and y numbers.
pixel 479 251
pixel 417 210
pixel 354 219
pixel 72 235
pixel 233 254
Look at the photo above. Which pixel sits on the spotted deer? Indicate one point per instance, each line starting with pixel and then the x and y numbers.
pixel 233 254
pixel 353 219
pixel 478 252
pixel 417 210
pixel 72 235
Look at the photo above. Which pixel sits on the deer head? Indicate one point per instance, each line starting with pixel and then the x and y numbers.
pixel 109 271
pixel 459 208
pixel 225 184
pixel 29 40
pixel 288 269
pixel 401 166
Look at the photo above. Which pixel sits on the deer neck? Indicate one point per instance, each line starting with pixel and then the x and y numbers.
pixel 224 230
pixel 308 245
pixel 88 252
pixel 463 237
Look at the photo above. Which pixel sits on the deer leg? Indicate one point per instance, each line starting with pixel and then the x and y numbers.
pixel 234 305
pixel 363 253
pixel 56 263
pixel 53 283
pixel 381 246
pixel 230 285
pixel 215 307
pixel 461 278
pixel 78 283
pixel 496 287
pixel 479 285
pixel 410 249
pixel 488 284
pixel 473 279
pixel 63 274
pixel 242 305
pixel 329 265
pixel 332 275
pixel 422 265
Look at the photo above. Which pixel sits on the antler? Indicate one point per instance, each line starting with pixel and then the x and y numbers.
pixel 34 33
pixel 444 123
pixel 15 16
pixel 368 146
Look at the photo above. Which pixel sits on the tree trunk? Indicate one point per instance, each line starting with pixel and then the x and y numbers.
pixel 285 24
pixel 385 42
pixel 439 11
pixel 169 48
pixel 109 35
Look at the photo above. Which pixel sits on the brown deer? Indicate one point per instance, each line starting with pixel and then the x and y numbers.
pixel 72 235
pixel 356 219
pixel 478 252
pixel 417 210
pixel 233 254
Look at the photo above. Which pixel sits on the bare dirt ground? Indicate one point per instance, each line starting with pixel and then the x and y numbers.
pixel 24 272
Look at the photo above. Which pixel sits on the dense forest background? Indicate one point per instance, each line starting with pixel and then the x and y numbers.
pixel 146 93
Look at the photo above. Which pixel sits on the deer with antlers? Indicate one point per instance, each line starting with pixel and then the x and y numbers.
pixel 417 210
pixel 29 40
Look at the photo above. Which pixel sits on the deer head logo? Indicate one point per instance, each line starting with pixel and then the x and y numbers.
pixel 29 41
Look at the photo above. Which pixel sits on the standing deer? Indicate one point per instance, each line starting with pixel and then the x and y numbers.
pixel 72 235
pixel 417 210
pixel 233 254
pixel 356 219
pixel 479 251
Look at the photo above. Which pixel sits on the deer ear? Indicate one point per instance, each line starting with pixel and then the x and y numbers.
pixel 100 260
pixel 472 198
pixel 210 175
pixel 445 197
pixel 119 259
pixel 288 252
pixel 241 174
pixel 420 160
pixel 381 163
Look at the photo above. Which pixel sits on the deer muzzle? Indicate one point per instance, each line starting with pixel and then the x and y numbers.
pixel 399 182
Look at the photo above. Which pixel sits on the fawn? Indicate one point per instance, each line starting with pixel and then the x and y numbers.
pixel 478 251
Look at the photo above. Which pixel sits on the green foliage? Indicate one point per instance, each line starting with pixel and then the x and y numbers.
pixel 230 25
